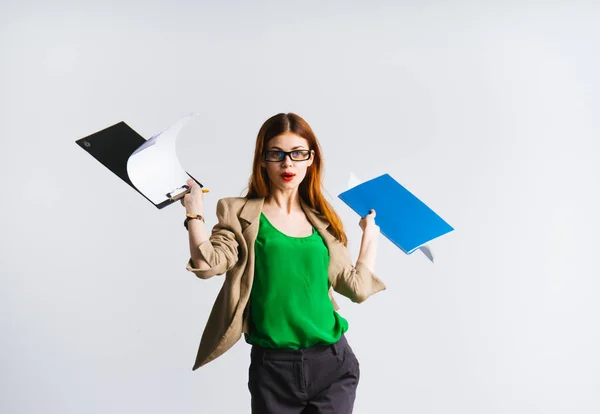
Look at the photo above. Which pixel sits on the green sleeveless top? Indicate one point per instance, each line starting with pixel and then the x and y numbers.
pixel 289 301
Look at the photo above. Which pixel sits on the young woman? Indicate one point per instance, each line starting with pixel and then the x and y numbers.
pixel 283 249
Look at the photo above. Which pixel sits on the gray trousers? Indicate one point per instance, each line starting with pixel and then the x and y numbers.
pixel 321 379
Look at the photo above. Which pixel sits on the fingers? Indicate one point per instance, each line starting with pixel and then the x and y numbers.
pixel 182 200
pixel 372 213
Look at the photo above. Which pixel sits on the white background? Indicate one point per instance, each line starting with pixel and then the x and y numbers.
pixel 488 111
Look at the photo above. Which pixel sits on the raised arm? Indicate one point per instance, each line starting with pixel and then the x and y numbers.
pixel 358 282
pixel 212 255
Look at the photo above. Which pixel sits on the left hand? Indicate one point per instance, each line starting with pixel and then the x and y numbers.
pixel 367 223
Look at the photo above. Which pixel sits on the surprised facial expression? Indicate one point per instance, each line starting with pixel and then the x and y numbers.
pixel 286 173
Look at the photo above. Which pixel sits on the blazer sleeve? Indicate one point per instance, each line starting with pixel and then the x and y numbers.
pixel 220 251
pixel 357 283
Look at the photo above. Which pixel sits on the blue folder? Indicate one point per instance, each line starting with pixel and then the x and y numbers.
pixel 404 219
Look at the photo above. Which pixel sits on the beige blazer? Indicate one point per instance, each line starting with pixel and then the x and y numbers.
pixel 230 250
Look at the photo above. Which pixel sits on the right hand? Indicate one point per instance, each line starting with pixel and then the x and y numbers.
pixel 194 200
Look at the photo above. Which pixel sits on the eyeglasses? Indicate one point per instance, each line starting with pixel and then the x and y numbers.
pixel 296 155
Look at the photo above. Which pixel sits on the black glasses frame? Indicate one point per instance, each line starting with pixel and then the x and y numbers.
pixel 286 153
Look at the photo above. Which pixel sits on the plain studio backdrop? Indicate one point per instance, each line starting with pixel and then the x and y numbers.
pixel 488 111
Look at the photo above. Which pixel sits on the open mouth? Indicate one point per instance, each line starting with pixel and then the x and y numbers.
pixel 288 176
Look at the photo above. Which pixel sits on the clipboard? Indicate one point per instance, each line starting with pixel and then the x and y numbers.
pixel 150 167
pixel 402 218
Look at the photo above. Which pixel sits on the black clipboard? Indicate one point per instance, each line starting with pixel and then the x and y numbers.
pixel 113 146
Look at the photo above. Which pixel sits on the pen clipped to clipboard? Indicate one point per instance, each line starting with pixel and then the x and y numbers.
pixel 151 167
pixel 181 192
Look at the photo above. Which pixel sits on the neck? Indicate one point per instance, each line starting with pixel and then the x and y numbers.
pixel 286 201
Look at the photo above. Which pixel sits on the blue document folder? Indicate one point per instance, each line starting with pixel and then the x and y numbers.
pixel 404 219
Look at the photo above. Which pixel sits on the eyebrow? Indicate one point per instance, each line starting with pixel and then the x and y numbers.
pixel 296 147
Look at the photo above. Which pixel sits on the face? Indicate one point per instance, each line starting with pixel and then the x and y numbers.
pixel 278 170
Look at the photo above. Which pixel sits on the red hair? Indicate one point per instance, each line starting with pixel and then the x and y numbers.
pixel 310 189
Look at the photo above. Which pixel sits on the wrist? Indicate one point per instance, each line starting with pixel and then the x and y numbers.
pixel 194 212
pixel 370 234
pixel 189 217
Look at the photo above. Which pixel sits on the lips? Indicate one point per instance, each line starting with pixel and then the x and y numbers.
pixel 288 176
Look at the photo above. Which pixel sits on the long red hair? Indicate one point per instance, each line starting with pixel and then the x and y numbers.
pixel 310 190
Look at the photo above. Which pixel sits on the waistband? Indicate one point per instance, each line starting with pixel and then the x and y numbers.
pixel 280 354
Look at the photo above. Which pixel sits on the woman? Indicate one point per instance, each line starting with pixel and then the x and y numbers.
pixel 283 249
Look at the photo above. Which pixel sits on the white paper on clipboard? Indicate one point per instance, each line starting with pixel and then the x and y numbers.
pixel 154 167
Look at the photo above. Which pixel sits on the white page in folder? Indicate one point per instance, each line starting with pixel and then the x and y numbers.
pixel 353 181
pixel 154 168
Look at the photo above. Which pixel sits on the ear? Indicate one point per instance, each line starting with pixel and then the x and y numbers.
pixel 312 158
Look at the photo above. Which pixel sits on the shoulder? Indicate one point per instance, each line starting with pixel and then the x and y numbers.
pixel 232 203
pixel 231 206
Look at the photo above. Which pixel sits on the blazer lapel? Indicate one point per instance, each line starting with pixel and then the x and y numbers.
pixel 250 214
pixel 250 220
pixel 317 220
